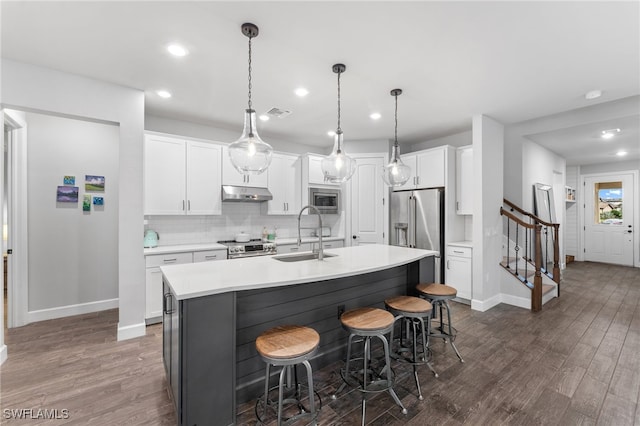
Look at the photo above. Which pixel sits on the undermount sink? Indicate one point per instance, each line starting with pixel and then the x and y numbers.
pixel 300 257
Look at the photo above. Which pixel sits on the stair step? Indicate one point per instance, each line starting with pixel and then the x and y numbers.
pixel 546 288
pixel 512 267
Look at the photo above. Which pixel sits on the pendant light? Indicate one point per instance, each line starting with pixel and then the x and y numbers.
pixel 338 167
pixel 250 155
pixel 396 173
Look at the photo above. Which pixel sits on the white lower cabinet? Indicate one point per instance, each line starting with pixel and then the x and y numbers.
pixel 459 270
pixel 153 281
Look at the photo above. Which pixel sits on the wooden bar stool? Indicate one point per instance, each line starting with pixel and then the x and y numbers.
pixel 368 323
pixel 439 295
pixel 412 312
pixel 287 346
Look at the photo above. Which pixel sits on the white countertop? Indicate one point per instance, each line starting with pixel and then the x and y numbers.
pixel 181 248
pixel 468 244
pixel 207 278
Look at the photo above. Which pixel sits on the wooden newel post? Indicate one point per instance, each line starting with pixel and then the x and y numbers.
pixel 536 294
pixel 556 255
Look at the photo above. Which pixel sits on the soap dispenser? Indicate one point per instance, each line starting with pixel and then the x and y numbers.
pixel 265 234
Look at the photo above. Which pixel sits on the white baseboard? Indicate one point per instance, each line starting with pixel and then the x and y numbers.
pixel 131 331
pixel 3 354
pixel 521 302
pixel 70 310
pixel 485 305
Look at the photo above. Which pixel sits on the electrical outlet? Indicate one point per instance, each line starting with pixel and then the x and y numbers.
pixel 340 310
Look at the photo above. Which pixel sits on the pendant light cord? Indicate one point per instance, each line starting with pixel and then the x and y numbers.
pixel 339 129
pixel 395 143
pixel 250 105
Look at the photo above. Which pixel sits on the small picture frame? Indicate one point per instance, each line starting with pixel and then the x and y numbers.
pixel 93 183
pixel 67 194
pixel 69 181
pixel 86 203
pixel 98 201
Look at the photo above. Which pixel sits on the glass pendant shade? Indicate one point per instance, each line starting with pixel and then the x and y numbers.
pixel 338 167
pixel 396 173
pixel 250 155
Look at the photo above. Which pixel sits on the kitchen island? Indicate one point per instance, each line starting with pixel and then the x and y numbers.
pixel 213 311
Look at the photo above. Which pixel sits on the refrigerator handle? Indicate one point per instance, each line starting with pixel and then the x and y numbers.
pixel 411 213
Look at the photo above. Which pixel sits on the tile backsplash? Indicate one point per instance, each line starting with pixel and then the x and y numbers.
pixel 235 218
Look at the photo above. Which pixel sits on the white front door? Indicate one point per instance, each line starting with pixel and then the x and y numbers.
pixel 368 202
pixel 608 218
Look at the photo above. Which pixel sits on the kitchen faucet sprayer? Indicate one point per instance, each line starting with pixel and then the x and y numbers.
pixel 316 211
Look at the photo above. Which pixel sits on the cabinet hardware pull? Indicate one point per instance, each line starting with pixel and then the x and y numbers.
pixel 189 205
pixel 456 251
pixel 182 204
pixel 447 264
pixel 170 260
pixel 294 249
pixel 328 246
pixel 457 205
pixel 211 256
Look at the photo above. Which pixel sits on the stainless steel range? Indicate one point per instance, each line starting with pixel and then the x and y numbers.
pixel 249 249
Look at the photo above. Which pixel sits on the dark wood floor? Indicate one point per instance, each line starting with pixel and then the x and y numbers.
pixel 576 362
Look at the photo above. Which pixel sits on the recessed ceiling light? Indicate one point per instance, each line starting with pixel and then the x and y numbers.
pixel 177 50
pixel 593 94
pixel 264 117
pixel 621 153
pixel 331 133
pixel 302 92
pixel 163 94
pixel 608 134
pixel 375 116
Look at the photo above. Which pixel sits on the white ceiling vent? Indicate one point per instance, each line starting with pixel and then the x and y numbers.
pixel 278 113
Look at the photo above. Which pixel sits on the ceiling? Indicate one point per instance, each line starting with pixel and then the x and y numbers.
pixel 512 61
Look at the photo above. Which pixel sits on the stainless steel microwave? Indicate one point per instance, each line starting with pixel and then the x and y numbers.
pixel 327 201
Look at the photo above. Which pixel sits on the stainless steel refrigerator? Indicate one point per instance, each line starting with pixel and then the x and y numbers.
pixel 417 220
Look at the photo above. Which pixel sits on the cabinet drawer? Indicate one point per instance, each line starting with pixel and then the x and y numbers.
pixel 206 256
pixel 459 251
pixel 168 259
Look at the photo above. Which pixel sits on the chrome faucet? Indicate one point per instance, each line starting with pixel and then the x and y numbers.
pixel 320 251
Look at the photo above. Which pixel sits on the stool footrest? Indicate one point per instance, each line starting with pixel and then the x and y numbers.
pixel 290 399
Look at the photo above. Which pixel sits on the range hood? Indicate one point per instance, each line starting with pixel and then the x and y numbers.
pixel 245 193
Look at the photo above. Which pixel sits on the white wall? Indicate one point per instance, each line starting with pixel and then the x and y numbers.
pixel 73 255
pixel 456 140
pixel 488 142
pixel 28 87
pixel 201 131
pixel 571 217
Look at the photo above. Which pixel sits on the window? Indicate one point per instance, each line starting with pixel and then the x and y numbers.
pixel 608 202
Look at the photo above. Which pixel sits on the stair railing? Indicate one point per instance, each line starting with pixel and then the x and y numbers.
pixel 522 272
pixel 547 227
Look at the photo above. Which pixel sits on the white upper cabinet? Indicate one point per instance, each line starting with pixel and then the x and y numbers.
pixel 203 178
pixel 409 160
pixel 284 184
pixel 181 176
pixel 464 180
pixel 427 169
pixel 230 176
pixel 430 168
pixel 312 171
pixel 164 176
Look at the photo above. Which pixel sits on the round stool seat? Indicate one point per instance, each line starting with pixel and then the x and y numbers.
pixel 436 290
pixel 287 341
pixel 367 319
pixel 409 304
